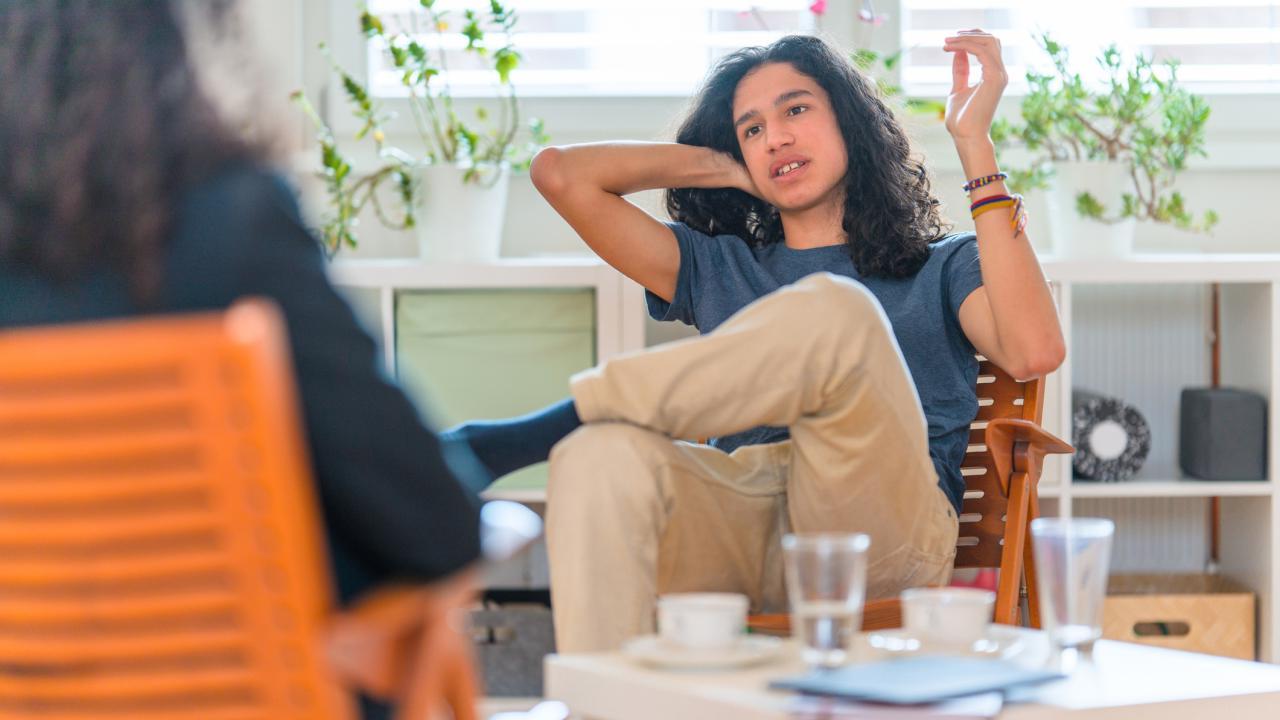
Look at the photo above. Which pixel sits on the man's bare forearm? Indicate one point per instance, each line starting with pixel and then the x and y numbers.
pixel 623 168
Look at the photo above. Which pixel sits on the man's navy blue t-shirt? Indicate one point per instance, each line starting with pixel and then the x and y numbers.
pixel 722 274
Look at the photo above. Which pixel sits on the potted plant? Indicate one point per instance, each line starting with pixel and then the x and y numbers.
pixel 877 65
pixel 1109 155
pixel 453 189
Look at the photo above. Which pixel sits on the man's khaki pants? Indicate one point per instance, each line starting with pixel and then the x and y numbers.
pixel 632 513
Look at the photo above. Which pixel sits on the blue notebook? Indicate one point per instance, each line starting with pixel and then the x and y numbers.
pixel 911 681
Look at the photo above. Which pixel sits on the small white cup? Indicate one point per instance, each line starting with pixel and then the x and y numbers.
pixel 702 621
pixel 947 616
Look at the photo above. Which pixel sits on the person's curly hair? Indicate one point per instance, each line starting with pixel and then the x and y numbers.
pixel 103 128
pixel 890 214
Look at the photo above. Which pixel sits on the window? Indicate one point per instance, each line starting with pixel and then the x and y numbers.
pixel 594 47
pixel 1222 45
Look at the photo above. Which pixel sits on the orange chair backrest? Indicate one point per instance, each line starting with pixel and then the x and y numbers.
pixel 986 498
pixel 160 544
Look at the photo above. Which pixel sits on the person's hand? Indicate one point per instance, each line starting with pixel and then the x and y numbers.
pixel 970 110
pixel 738 176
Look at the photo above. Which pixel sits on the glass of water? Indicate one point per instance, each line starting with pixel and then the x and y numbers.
pixel 1072 560
pixel 826 583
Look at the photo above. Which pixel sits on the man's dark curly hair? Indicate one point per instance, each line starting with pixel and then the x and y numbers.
pixel 890 214
pixel 103 128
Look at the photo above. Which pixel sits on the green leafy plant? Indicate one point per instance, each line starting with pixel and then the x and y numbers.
pixel 872 63
pixel 1141 117
pixel 876 65
pixel 444 135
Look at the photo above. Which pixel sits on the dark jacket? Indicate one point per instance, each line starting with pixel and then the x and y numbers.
pixel 392 506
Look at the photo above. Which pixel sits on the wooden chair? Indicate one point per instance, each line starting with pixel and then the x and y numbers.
pixel 1002 469
pixel 161 553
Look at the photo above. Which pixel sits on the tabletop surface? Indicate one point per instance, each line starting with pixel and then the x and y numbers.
pixel 1122 680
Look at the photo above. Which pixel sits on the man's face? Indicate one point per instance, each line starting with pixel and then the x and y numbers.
pixel 790 140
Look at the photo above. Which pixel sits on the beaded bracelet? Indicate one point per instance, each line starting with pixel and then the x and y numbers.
pixel 976 183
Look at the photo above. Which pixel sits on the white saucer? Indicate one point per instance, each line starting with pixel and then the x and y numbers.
pixel 999 642
pixel 748 650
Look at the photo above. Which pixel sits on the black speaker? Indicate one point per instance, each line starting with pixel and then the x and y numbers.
pixel 1223 434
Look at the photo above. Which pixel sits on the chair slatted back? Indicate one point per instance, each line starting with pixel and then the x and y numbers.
pixel 986 500
pixel 160 542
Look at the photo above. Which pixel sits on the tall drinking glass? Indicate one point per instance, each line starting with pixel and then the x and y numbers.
pixel 1072 560
pixel 826 583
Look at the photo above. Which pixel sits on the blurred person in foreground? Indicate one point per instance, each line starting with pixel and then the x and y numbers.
pixel 125 190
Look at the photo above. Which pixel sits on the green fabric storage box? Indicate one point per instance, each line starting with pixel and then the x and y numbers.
pixel 467 354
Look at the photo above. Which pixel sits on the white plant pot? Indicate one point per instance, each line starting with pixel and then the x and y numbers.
pixel 1075 236
pixel 461 222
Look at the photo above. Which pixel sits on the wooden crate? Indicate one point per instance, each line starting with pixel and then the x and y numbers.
pixel 1197 613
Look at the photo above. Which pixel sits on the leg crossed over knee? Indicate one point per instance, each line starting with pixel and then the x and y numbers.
pixel 612 461
pixel 833 304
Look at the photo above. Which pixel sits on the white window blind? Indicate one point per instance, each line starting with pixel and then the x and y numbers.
pixel 589 47
pixel 1221 45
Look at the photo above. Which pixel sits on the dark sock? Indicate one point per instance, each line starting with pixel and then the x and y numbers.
pixel 504 446
pixel 464 464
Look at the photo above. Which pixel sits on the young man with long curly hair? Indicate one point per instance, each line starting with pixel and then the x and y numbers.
pixel 836 367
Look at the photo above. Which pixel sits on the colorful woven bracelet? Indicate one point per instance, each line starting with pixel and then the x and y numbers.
pixel 995 201
pixel 1019 220
pixel 976 183
pixel 1017 216
pixel 993 206
pixel 989 201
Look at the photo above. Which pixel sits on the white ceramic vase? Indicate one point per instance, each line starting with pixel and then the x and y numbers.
pixel 461 222
pixel 1078 237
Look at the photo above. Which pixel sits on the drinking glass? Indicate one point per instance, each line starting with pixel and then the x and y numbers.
pixel 826 583
pixel 1072 558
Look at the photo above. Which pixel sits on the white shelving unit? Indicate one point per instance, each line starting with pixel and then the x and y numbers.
pixel 1161 348
pixel 1165 488
pixel 1138 323
pixel 619 312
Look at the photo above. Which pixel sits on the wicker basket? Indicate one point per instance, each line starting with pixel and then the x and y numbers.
pixel 1197 613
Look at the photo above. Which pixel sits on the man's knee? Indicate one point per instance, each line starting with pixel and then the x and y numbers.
pixel 836 292
pixel 832 305
pixel 607 461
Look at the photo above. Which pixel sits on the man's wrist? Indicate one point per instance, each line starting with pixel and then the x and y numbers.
pixel 730 170
pixel 977 157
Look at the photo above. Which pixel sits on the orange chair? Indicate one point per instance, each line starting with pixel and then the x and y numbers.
pixel 1002 469
pixel 161 553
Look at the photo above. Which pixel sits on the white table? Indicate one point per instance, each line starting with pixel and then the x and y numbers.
pixel 1124 681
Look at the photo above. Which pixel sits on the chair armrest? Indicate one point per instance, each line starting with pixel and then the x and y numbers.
pixel 369 645
pixel 1017 430
pixel 883 614
pixel 400 643
pixel 1020 445
pixel 776 624
pixel 880 614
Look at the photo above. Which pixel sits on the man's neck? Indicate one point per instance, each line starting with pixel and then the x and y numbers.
pixel 818 226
